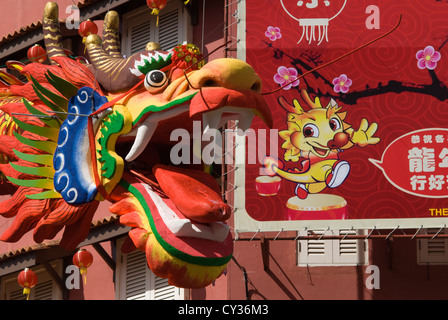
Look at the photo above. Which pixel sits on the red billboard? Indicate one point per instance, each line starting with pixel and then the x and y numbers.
pixel 358 90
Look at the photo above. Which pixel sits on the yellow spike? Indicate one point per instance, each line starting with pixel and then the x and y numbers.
pixel 297 106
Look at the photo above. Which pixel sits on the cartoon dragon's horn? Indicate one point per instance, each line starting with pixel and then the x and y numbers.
pixel 313 104
pixel 285 105
pixel 332 103
pixel 296 108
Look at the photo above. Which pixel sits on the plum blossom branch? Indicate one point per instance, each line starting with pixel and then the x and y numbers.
pixel 435 88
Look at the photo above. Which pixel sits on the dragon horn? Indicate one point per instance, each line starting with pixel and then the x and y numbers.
pixel 295 108
pixel 111 43
pixel 52 31
pixel 313 104
pixel 112 71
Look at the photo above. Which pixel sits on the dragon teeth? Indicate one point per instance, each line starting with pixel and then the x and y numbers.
pixel 245 119
pixel 215 119
pixel 144 135
pixel 146 130
pixel 211 122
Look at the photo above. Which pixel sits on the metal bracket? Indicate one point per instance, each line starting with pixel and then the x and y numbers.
pixel 103 254
pixel 57 279
pixel 264 252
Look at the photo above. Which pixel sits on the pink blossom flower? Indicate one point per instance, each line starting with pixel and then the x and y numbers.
pixel 273 33
pixel 342 83
pixel 286 77
pixel 427 58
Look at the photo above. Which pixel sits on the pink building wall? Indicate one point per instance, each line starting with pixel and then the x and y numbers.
pixel 28 13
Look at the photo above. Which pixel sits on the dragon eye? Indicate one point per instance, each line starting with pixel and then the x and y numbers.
pixel 310 130
pixel 335 124
pixel 155 81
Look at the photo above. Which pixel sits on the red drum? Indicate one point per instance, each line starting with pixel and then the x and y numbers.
pixel 317 207
pixel 267 186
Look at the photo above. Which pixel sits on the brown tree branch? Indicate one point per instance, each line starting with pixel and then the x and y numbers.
pixel 436 88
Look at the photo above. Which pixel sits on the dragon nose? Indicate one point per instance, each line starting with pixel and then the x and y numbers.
pixel 339 140
pixel 228 73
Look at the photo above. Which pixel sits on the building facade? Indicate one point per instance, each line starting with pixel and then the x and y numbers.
pixel 351 264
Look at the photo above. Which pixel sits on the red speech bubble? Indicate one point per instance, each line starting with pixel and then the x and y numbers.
pixel 417 163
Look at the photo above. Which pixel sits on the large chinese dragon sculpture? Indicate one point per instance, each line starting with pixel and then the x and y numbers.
pixel 80 133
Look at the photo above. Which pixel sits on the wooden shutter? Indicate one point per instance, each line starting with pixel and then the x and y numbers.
pixel 136 276
pixel 169 34
pixel 139 28
pixel 349 251
pixel 139 34
pixel 45 289
pixel 433 251
pixel 332 252
pixel 163 291
pixel 138 282
pixel 315 252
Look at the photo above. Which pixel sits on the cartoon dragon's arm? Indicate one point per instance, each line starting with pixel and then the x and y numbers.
pixel 363 136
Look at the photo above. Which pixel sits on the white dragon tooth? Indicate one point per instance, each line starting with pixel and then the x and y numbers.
pixel 245 120
pixel 144 132
pixel 144 135
pixel 210 120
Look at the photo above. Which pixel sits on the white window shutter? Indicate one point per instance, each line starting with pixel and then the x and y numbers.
pixel 433 251
pixel 349 251
pixel 45 289
pixel 140 27
pixel 325 252
pixel 314 252
pixel 136 275
pixel 42 291
pixel 164 291
pixel 169 32
pixel 137 282
pixel 139 34
pixel 16 294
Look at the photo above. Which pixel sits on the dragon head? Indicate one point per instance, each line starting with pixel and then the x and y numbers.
pixel 317 130
pixel 114 141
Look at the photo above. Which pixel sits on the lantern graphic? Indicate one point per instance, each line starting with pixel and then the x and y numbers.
pixel 27 279
pixel 37 54
pixel 83 259
pixel 314 16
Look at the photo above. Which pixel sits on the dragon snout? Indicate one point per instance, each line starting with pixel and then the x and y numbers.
pixel 339 140
pixel 227 73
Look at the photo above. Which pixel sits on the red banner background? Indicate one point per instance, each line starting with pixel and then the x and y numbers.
pixel 387 88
